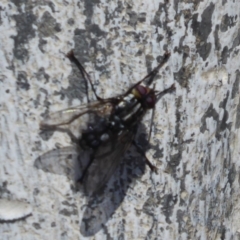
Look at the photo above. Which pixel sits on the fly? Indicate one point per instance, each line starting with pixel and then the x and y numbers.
pixel 101 130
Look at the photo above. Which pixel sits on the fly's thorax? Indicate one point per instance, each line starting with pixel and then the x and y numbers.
pixel 127 113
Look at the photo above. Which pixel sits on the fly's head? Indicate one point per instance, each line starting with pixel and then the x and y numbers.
pixel 145 95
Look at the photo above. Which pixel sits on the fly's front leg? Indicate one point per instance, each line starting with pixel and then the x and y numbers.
pixel 168 90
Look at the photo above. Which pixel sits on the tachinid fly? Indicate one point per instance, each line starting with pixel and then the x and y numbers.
pixel 101 130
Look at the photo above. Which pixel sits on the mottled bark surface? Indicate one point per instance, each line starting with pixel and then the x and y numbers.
pixel 195 139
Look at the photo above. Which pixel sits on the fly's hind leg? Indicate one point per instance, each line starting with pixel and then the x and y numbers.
pixel 151 166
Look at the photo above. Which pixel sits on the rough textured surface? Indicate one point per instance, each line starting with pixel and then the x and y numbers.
pixel 195 140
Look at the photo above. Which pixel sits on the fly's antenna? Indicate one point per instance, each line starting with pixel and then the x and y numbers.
pixel 85 75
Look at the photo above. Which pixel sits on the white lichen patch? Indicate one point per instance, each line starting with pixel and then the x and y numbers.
pixel 11 210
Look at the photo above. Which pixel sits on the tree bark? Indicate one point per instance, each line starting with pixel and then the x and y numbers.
pixel 195 130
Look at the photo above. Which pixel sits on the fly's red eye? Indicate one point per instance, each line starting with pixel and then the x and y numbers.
pixel 150 101
pixel 141 89
pixel 145 95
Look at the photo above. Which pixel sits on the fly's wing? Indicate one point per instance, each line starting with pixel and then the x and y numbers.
pixel 64 161
pixel 105 161
pixel 76 119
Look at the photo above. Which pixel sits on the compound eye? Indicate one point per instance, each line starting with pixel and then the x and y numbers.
pixel 150 101
pixel 142 90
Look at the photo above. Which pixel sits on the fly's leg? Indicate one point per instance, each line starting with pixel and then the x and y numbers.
pixel 85 75
pixel 153 113
pixel 168 90
pixel 151 166
pixel 152 74
pixel 159 95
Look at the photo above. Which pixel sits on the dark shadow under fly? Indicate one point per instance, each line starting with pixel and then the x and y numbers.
pixel 101 131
